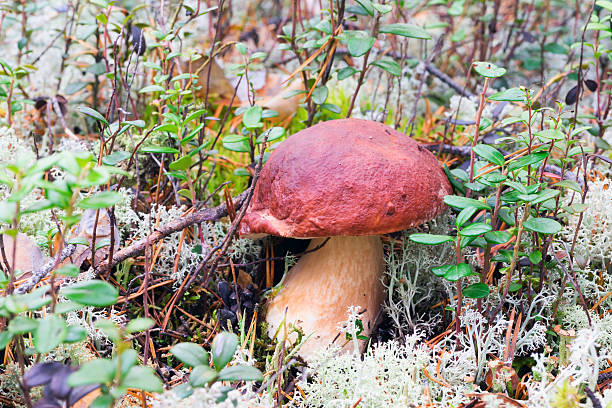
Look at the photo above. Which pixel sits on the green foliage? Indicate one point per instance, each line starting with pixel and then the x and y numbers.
pixel 115 375
pixel 223 349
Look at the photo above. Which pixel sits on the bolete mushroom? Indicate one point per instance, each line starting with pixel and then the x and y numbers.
pixel 351 180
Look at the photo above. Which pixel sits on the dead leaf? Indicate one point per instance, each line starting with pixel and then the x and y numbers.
pixel 85 229
pixel 219 84
pixel 244 279
pixel 86 401
pixel 275 99
pixel 28 255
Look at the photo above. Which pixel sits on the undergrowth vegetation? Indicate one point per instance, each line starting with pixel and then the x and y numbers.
pixel 133 134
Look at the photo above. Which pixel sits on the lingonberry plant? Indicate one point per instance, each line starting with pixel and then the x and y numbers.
pixel 510 206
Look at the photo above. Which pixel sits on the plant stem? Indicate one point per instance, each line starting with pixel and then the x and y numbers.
pixel 477 135
pixel 364 68
pixel 517 246
pixel 459 293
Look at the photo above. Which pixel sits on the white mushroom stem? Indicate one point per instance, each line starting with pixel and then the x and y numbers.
pixel 319 289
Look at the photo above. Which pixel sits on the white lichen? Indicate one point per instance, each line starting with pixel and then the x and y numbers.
pixel 594 237
pixel 581 370
pixel 411 286
pixel 390 374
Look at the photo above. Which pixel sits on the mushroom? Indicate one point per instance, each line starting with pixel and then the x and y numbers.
pixel 349 180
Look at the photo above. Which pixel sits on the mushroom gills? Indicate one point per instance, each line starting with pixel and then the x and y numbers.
pixel 323 284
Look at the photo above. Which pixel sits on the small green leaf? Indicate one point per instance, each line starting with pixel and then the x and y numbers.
pixel 92 113
pixel 547 135
pixel 506 216
pixel 405 30
pixel 194 115
pixel 514 286
pixel 605 4
pixel 75 87
pixel 8 210
pixel 555 48
pixel 545 195
pixel 497 237
pixel 509 95
pixel 490 154
pixel 251 119
pixel 477 291
pixel 51 331
pixel 367 6
pixel 114 158
pixel 242 49
pixel 464 216
pixel 35 299
pixel 183 163
pixel 516 186
pixel 241 172
pixel 542 225
pixel 183 390
pixel 346 72
pixel 382 8
pixel 201 376
pixel 91 293
pixel 142 378
pixel 167 127
pixel 441 270
pixel 240 373
pixel 463 202
pixel 333 108
pixel 570 184
pixel 319 95
pixel 67 306
pixel 359 42
pixel 75 334
pixel 237 143
pixel 99 371
pixel 531 159
pixel 152 65
pixel 109 328
pixel 430 239
pixel 454 181
pixel 272 134
pixel 22 325
pixel 488 70
pixel 223 349
pixel 458 271
pixel 127 360
pixel 5 339
pixel 139 324
pixel 475 229
pixel 139 123
pixel 103 401
pixel 159 149
pixel 103 199
pixel 190 354
pixel 389 66
pixel 535 257
pixel 79 241
pixel 151 89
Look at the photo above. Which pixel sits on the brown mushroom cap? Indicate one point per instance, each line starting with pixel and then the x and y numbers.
pixel 346 177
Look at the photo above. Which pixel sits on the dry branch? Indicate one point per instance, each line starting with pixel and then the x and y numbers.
pixel 136 248
pixel 207 214
pixel 50 265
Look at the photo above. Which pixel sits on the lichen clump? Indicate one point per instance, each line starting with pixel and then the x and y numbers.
pixel 594 238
